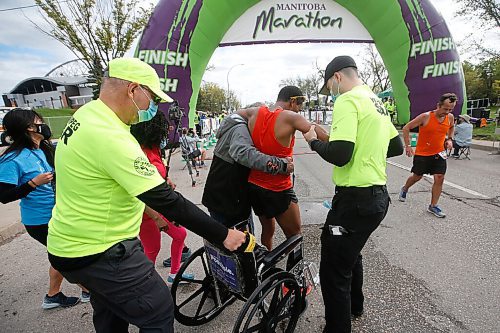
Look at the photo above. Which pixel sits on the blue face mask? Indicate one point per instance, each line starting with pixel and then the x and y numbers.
pixel 145 115
pixel 334 97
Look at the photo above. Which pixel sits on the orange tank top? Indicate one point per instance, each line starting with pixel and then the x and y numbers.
pixel 431 137
pixel 265 141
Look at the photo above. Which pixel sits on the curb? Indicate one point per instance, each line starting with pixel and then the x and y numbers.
pixel 483 147
pixel 11 231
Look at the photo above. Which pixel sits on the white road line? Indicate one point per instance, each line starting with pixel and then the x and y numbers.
pixel 458 187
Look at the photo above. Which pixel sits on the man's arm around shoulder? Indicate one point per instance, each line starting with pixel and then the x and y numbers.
pixel 242 151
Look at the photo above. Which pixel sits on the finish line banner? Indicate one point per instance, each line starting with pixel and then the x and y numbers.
pixel 296 21
pixel 411 36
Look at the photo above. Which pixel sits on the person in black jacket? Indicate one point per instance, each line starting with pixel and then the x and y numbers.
pixel 226 189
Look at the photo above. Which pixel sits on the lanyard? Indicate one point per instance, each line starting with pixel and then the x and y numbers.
pixel 44 164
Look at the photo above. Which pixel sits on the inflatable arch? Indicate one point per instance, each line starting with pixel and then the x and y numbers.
pixel 410 35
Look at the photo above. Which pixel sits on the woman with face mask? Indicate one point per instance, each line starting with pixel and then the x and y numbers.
pixel 27 173
pixel 152 136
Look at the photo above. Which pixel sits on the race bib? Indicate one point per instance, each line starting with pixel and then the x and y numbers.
pixel 443 154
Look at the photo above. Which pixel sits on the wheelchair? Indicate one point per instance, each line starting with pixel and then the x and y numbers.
pixel 274 297
pixel 190 159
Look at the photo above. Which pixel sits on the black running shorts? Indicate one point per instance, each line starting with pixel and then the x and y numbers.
pixel 431 165
pixel 269 203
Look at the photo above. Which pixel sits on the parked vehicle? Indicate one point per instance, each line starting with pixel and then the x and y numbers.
pixel 4 140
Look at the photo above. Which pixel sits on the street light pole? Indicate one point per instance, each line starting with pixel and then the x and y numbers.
pixel 227 79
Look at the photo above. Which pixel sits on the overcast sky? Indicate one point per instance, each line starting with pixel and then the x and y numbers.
pixel 26 52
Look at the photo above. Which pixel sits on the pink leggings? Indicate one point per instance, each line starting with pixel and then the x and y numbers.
pixel 151 241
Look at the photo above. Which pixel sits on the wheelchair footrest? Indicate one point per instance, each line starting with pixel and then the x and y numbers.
pixel 311 274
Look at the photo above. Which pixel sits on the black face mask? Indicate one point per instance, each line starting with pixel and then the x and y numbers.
pixel 44 130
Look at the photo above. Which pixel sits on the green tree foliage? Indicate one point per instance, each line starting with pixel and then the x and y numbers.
pixel 212 98
pixel 473 82
pixel 96 31
pixel 483 80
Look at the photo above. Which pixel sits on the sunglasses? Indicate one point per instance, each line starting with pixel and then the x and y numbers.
pixel 298 99
pixel 451 97
pixel 156 99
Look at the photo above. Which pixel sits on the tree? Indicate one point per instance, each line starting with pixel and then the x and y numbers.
pixel 96 31
pixel 309 84
pixel 211 98
pixel 486 13
pixel 482 80
pixel 233 101
pixel 474 85
pixel 290 81
pixel 374 72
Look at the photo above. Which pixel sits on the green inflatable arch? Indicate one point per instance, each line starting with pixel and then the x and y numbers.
pixel 410 35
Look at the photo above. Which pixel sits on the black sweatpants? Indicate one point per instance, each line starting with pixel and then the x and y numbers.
pixel 125 289
pixel 359 211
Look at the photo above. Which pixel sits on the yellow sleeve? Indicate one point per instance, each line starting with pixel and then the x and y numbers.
pixel 125 162
pixel 345 121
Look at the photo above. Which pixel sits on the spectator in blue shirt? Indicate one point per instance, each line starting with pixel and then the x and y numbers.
pixel 463 134
pixel 27 173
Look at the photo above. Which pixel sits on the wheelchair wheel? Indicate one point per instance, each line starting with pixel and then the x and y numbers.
pixel 196 303
pixel 274 306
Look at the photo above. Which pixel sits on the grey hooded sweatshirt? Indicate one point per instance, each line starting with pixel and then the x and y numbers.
pixel 226 188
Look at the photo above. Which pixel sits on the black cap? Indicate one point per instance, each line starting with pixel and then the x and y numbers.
pixel 334 66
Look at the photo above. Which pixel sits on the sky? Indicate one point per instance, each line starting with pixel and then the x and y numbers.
pixel 26 52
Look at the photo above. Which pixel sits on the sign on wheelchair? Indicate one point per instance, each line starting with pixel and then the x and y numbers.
pixel 273 292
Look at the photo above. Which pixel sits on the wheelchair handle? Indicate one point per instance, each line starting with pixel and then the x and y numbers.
pixel 249 243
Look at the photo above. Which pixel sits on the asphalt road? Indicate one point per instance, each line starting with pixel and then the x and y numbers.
pixel 422 274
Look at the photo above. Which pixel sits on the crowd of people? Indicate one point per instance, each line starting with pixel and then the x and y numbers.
pixel 103 217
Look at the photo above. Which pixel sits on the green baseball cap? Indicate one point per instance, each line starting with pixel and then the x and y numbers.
pixel 135 70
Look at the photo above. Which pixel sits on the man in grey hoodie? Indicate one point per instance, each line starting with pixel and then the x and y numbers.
pixel 226 189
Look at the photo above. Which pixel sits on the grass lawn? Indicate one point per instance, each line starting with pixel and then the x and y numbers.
pixel 56 119
pixel 55 112
pixel 488 132
pixel 485 133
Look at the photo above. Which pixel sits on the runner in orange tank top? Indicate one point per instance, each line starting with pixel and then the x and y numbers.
pixel 430 155
pixel 273 129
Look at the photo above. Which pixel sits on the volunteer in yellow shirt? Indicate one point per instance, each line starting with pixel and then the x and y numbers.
pixel 361 138
pixel 104 181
